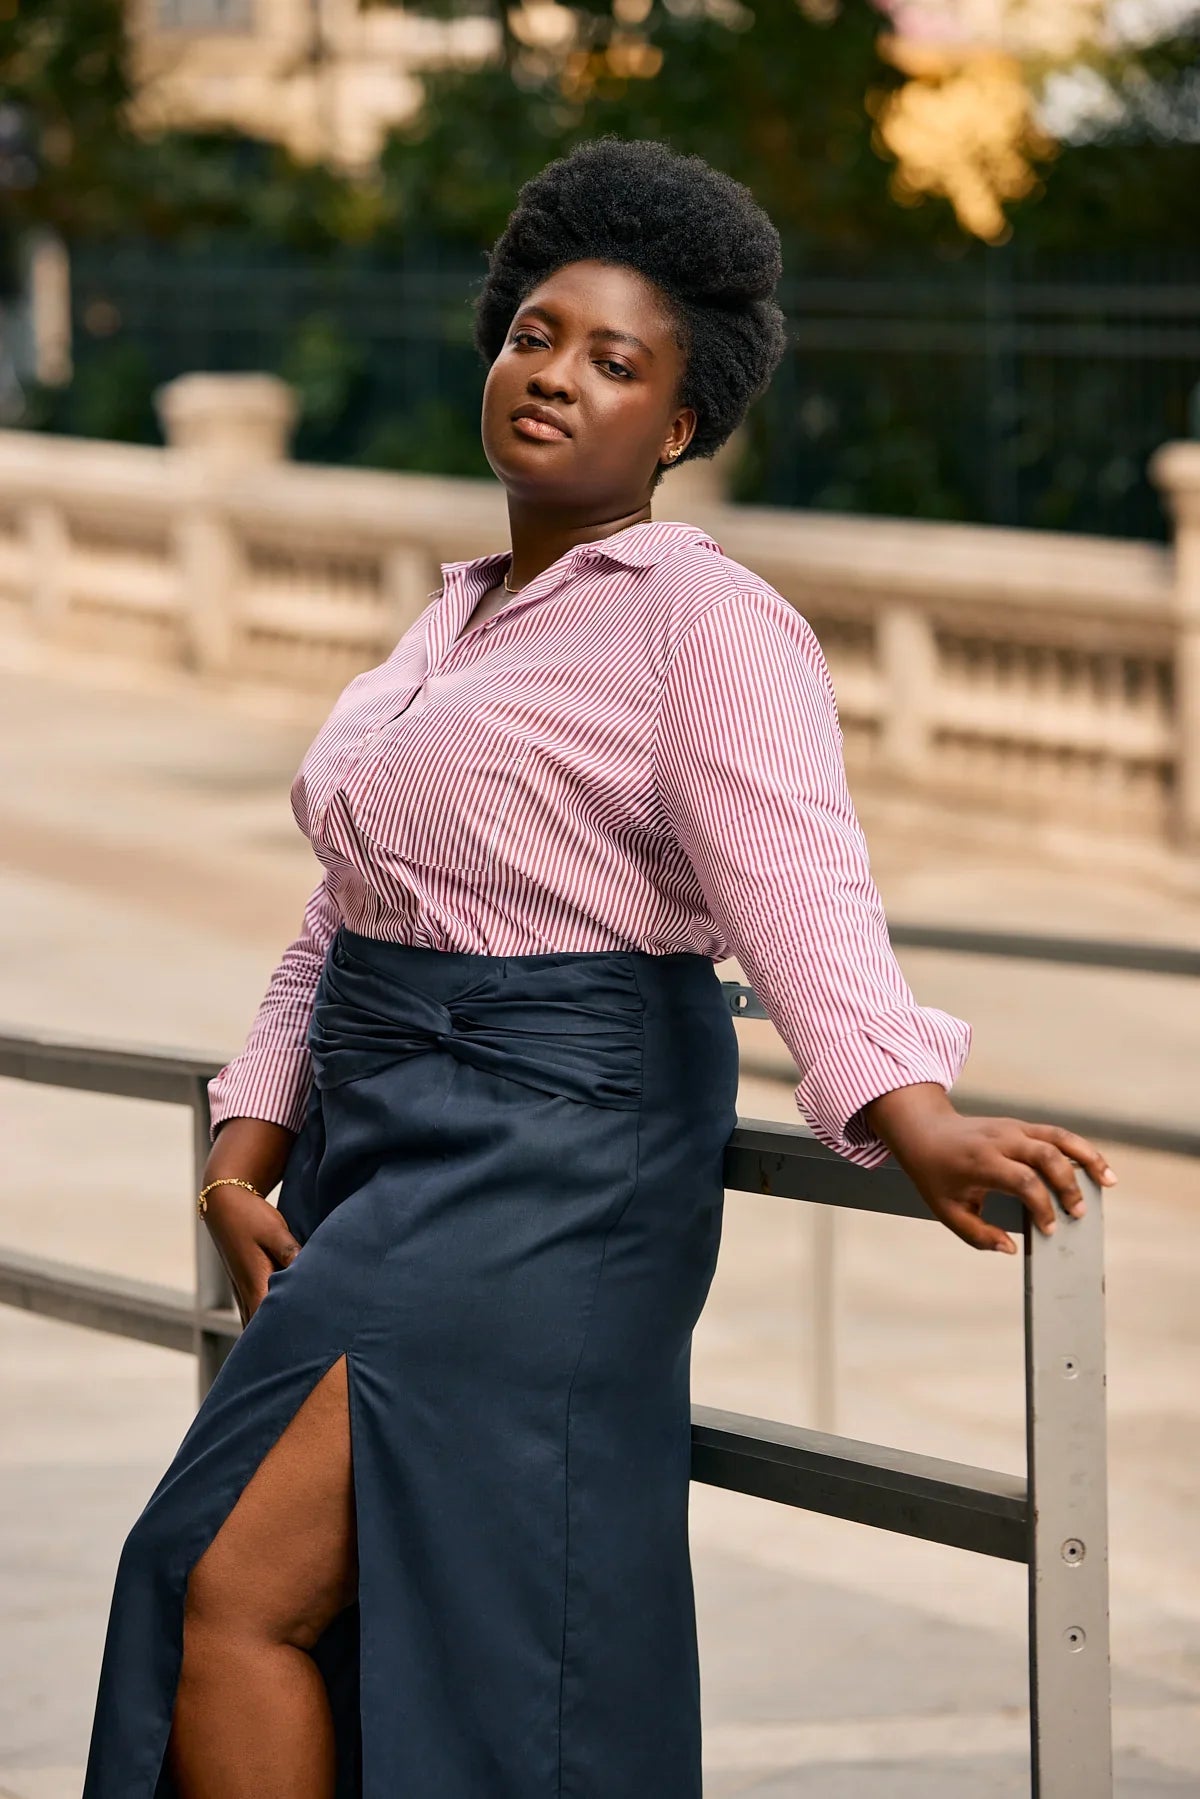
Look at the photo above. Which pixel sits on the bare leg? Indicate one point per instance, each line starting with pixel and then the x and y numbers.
pixel 252 1718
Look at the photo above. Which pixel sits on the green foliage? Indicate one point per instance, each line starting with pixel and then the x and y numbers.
pixel 63 66
pixel 764 91
pixel 436 437
pixel 777 97
pixel 783 101
pixel 195 186
pixel 327 368
pixel 111 397
pixel 1130 182
pixel 64 70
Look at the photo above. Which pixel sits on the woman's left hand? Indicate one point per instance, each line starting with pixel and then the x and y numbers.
pixel 955 1161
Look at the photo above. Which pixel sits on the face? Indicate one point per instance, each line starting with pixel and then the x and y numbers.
pixel 581 405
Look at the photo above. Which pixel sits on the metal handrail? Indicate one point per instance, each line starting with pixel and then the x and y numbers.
pixel 1029 946
pixel 1055 1520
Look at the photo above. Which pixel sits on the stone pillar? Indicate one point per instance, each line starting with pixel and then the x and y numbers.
pixel 48 541
pixel 225 426
pixel 1175 470
pixel 49 279
pixel 907 655
pixel 229 420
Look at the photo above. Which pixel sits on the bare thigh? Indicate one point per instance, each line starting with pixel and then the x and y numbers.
pixel 285 1560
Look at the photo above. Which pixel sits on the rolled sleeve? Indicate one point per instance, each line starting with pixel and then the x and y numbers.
pixel 751 775
pixel 272 1077
pixel 910 1044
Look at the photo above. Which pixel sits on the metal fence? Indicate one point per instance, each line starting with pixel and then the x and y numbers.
pixel 1054 1520
pixel 1006 387
pixel 1000 386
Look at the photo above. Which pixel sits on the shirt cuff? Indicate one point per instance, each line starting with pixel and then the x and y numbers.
pixel 271 1084
pixel 897 1048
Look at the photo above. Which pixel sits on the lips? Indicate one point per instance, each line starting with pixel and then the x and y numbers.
pixel 539 424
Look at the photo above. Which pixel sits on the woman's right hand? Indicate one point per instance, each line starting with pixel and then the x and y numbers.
pixel 251 1235
pixel 252 1240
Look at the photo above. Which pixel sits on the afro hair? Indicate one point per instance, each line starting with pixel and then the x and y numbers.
pixel 698 235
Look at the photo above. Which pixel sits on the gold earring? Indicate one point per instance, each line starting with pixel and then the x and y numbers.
pixel 672 454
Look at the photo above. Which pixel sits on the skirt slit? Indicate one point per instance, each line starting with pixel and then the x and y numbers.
pixel 180 1521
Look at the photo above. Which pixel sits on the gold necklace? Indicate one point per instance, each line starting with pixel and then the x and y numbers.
pixel 507 588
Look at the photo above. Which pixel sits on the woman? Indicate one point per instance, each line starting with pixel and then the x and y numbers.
pixel 427 1535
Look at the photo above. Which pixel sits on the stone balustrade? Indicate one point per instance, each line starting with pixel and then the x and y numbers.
pixel 1029 674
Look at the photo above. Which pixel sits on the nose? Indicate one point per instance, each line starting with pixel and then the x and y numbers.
pixel 553 379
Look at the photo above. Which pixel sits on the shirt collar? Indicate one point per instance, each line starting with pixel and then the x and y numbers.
pixel 638 546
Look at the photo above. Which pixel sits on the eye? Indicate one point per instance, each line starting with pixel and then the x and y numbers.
pixel 618 369
pixel 528 336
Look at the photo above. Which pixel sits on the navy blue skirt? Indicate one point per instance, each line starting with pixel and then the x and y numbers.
pixel 508 1189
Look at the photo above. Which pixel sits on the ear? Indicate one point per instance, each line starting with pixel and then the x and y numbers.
pixel 683 429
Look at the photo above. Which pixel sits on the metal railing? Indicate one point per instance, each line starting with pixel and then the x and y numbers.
pixel 1080 952
pixel 1055 1520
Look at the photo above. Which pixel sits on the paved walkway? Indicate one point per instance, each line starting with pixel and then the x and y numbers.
pixel 149 873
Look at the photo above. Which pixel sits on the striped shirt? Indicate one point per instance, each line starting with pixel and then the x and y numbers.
pixel 640 751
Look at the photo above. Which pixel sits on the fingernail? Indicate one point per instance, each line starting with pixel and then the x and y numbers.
pixel 1077 1209
pixel 1051 1227
pixel 1108 1177
pixel 1006 1249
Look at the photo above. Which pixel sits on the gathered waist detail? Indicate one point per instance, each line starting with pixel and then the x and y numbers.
pixel 567 1023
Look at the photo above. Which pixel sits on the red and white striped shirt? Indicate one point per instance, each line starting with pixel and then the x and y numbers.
pixel 640 751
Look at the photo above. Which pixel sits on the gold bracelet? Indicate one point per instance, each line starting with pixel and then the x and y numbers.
pixel 226 1180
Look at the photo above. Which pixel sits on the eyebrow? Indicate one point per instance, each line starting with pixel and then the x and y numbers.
pixel 619 337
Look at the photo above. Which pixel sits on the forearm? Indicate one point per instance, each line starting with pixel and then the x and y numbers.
pixel 252 1150
pixel 271 1078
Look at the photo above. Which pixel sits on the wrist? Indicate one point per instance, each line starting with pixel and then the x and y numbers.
pixel 903 1113
pixel 224 1183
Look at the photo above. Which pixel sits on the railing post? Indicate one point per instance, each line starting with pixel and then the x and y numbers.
pixel 822 1296
pixel 211 579
pixel 226 426
pixel 1175 469
pixel 212 1283
pixel 1069 1679
pixel 49 544
pixel 907 653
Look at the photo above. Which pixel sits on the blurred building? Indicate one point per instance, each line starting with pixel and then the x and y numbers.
pixel 327 78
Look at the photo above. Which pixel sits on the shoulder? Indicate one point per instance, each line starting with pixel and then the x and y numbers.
pixel 718 604
pixel 730 626
pixel 688 588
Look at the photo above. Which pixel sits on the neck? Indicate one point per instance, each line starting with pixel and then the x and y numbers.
pixel 538 538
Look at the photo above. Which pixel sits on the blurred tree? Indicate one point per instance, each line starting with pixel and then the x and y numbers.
pixel 70 159
pixel 774 93
pixel 63 76
pixel 794 97
pixel 963 126
pixel 788 95
pixel 1125 176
